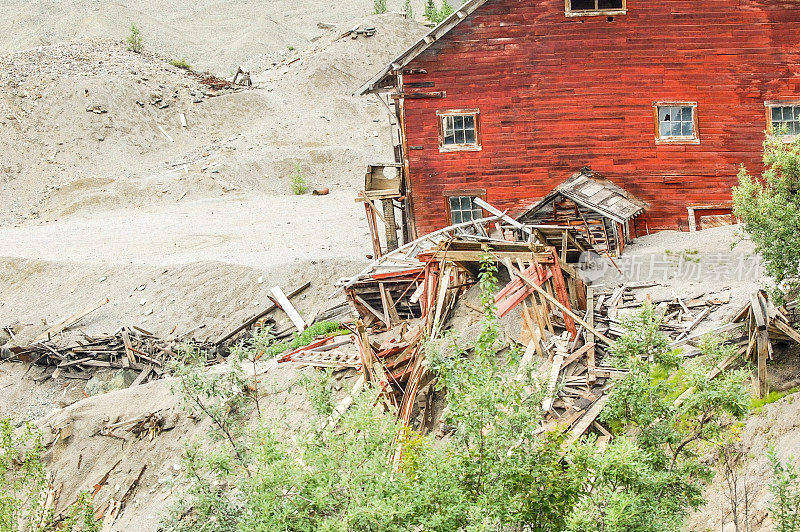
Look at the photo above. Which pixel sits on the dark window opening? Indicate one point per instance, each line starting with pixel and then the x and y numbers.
pixel 786 120
pixel 463 209
pixel 595 5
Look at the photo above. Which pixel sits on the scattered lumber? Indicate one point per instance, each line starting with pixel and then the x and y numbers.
pixel 250 322
pixel 69 321
pixel 129 348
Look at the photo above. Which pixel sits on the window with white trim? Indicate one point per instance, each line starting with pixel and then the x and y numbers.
pixel 463 209
pixel 785 119
pixel 595 7
pixel 459 130
pixel 676 121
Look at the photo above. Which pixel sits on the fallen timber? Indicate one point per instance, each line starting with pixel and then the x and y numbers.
pixel 568 328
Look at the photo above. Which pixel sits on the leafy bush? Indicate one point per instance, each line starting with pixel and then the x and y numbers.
pixel 380 7
pixel 299 185
pixel 770 210
pixel 180 63
pixel 648 482
pixel 785 487
pixel 134 40
pixel 498 470
pixel 23 487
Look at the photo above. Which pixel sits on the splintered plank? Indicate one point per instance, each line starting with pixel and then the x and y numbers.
pixel 254 319
pixel 586 421
pixel 68 322
pixel 567 311
pixel 287 307
pixel 516 291
pixel 547 403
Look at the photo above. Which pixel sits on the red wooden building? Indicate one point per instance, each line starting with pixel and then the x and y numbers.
pixel 667 99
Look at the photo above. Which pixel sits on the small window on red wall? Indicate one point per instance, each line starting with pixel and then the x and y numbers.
pixel 463 209
pixel 460 205
pixel 459 130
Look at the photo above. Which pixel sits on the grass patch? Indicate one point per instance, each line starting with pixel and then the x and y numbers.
pixel 180 63
pixel 327 328
pixel 756 404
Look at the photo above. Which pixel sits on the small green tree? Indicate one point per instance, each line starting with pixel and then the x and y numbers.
pixel 647 483
pixel 23 487
pixel 770 210
pixel 445 11
pixel 380 7
pixel 431 13
pixel 134 40
pixel 299 184
pixel 407 9
pixel 785 487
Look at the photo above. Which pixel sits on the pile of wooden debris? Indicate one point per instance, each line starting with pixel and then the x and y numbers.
pixel 568 328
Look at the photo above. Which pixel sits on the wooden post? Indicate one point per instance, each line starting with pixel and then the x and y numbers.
pixel 391 224
pixel 590 355
pixel 763 353
pixel 373 229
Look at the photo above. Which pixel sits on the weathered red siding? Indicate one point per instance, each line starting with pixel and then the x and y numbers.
pixel 558 93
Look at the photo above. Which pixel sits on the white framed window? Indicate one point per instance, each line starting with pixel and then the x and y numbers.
pixel 676 122
pixel 783 118
pixel 582 8
pixel 463 209
pixel 459 130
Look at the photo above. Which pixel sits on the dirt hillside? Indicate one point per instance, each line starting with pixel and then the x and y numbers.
pixel 215 35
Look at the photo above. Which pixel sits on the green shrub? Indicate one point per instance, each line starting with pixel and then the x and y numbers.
pixel 180 63
pixel 134 40
pixel 785 487
pixel 407 9
pixel 380 7
pixel 498 470
pixel 23 487
pixel 299 184
pixel 770 210
pixel 757 404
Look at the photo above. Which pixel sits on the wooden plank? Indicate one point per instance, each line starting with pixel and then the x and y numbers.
pixel 579 353
pixel 555 369
pixel 564 309
pixel 717 330
pixel 759 312
pixel 126 342
pixel 444 284
pixel 762 387
pixel 254 319
pixel 586 421
pixel 590 355
pixel 787 330
pixel 288 308
pixel 142 376
pixel 69 321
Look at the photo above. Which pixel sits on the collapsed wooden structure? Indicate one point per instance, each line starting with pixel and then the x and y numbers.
pixel 567 327
pixel 601 212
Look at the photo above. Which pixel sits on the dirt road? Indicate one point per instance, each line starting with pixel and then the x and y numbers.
pixel 259 232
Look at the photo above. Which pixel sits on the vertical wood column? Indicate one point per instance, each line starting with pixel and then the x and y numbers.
pixel 391 225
